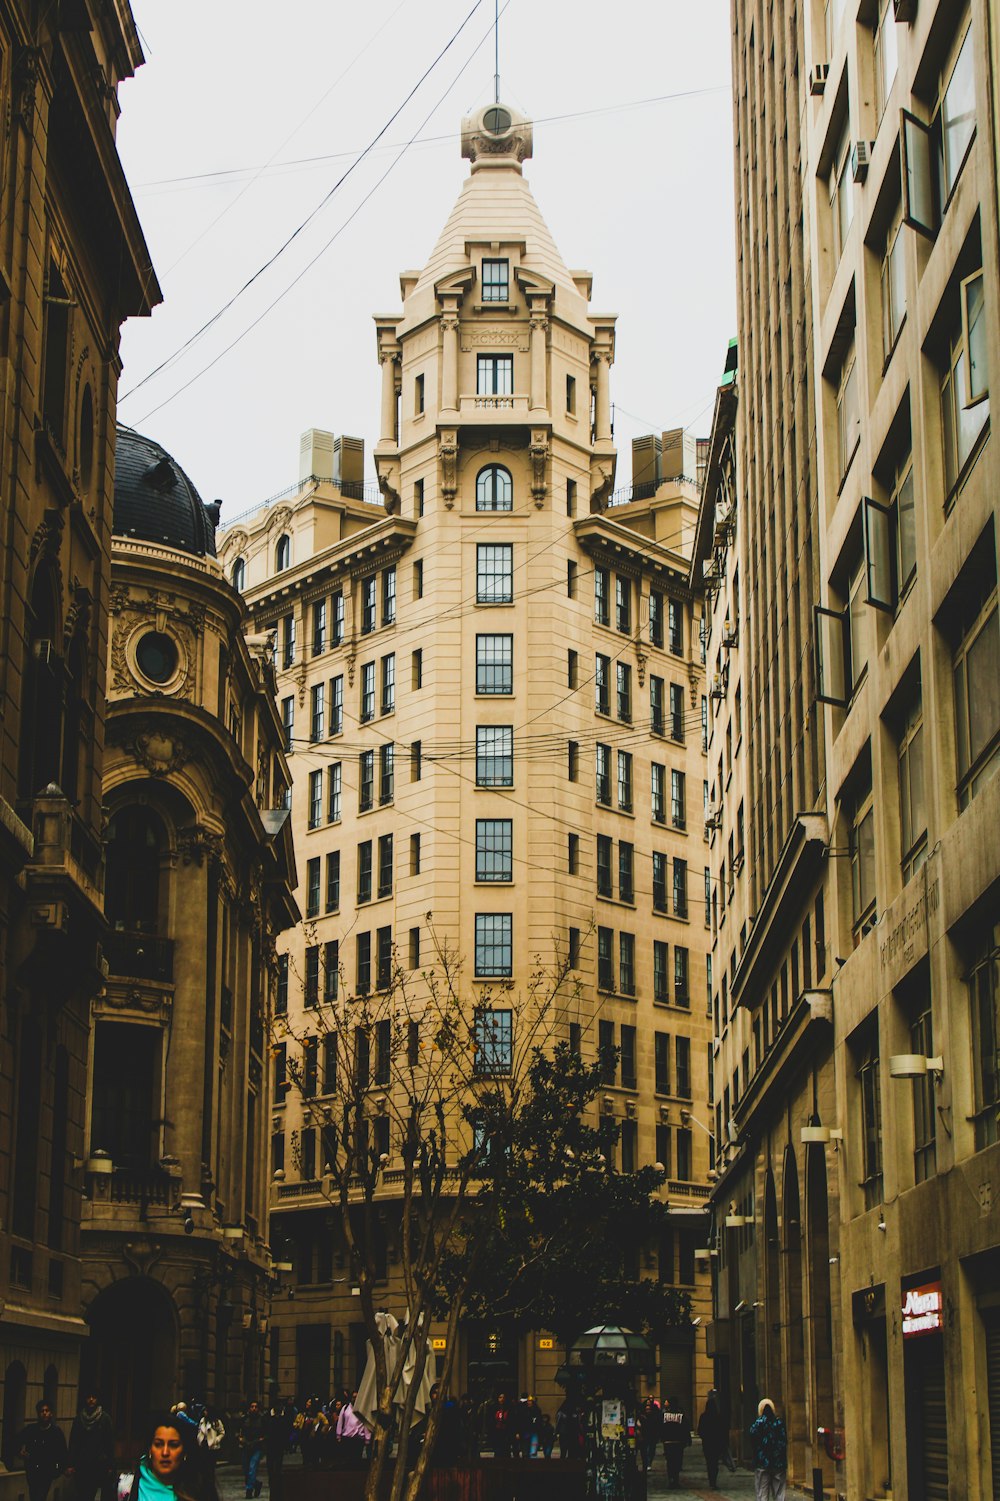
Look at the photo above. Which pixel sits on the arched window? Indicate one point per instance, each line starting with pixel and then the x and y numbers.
pixel 239 573
pixel 494 489
pixel 283 553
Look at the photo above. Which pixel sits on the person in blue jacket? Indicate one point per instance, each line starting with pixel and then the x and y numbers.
pixel 770 1452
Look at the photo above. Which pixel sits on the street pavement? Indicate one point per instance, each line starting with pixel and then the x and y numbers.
pixel 693 1487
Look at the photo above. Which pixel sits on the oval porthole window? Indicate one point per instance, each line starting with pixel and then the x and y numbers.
pixel 156 656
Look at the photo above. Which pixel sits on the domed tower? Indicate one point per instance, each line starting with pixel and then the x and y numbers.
pixel 198 876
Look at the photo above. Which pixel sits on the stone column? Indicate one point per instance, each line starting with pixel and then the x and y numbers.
pixel 184 1091
pixel 388 428
pixel 449 361
pixel 602 404
pixel 539 324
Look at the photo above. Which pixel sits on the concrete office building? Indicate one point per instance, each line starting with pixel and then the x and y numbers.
pixel 857 1001
pixel 73 266
pixel 491 681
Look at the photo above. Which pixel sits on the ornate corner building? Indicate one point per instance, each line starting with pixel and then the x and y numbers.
pixel 491 680
pixel 198 875
pixel 73 266
pixel 848 537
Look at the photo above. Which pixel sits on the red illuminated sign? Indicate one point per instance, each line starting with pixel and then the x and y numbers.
pixel 923 1310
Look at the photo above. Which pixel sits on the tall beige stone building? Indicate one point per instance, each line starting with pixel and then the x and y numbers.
pixel 491 680
pixel 73 266
pixel 848 535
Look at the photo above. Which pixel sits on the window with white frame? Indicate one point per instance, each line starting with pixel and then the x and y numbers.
pixel 366 781
pixel 337 618
pixel 367 692
pixel 678 799
pixel 317 712
pixel 386 773
pixel 658 792
pixel 388 700
pixel 602 596
pixel 315 799
pixel 389 595
pixel 337 705
pixel 623 604
pixel 334 787
pixel 602 683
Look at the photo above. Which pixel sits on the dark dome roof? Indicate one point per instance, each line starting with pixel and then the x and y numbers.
pixel 156 502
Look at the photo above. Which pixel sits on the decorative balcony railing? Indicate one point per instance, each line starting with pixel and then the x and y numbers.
pixel 140 956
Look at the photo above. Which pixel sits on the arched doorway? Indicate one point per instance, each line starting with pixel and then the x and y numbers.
pixel 794 1383
pixel 820 1311
pixel 130 1360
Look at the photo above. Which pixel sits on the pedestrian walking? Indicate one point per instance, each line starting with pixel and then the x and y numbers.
pixel 278 1421
pixel 91 1449
pixel 252 1446
pixel 501 1427
pixel 770 1452
pixel 42 1447
pixel 676 1437
pixel 650 1431
pixel 713 1437
pixel 352 1435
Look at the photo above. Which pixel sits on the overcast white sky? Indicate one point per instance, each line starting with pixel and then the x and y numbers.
pixel 236 95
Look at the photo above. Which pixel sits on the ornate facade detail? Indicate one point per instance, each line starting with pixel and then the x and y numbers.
pixel 539 451
pixel 448 464
pixel 502 338
pixel 641 658
pixel 390 495
pixel 158 752
pixel 78 614
pixel 602 477
pixel 197 842
pixel 134 998
pixel 26 84
pixel 141 1256
pixel 47 537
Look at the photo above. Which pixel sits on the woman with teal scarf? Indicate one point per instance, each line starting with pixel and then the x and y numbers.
pixel 170 1469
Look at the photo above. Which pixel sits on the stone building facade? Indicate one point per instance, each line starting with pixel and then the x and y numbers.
pixel 73 266
pixel 491 680
pixel 857 1001
pixel 198 875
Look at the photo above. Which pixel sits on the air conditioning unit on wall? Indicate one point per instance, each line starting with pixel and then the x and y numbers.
pixel 818 75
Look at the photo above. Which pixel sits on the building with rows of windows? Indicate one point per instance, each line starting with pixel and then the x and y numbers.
pixel 490 678
pixel 848 538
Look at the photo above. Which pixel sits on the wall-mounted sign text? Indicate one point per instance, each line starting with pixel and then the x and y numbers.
pixel 923 1310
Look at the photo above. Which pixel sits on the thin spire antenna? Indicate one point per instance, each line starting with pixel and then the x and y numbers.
pixel 496 52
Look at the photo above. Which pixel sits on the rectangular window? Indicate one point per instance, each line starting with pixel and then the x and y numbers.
pixel 418 568
pixel 623 604
pixel 315 799
pixel 281 990
pixel 984 997
pixel 288 641
pixel 664 1156
pixel 363 974
pixel 362 1055
pixel 494 945
pixel 385 865
pixel 414 854
pixel 675 628
pixel 571 503
pixel 365 871
pixel 893 283
pixel 494 375
pixel 625 781
pixel 571 573
pixel 572 670
pixel 848 411
pixel 573 949
pixel 624 692
pixel 602 764
pixel 280 1072
pixel 494 664
pixel 708 897
pixel 659 882
pixel 607 1053
pixel 337 618
pixel 655 618
pixel 416 761
pixel 661 983
pixel 572 760
pixel 871 1127
pixel 334 785
pixel 656 717
pixel 383 975
pixel 494 755
pixel 367 692
pixel 317 712
pixel 602 596
pixel 976 674
pixel 388 700
pixel 841 191
pixel 571 395
pixel 676 712
pixel 661 1062
pixel 312 975
pixel 494 849
pixel 573 854
pixel 288 722
pixel 605 959
pixel 366 781
pixel 682 1062
pixel 389 595
pixel 417 669
pixel 496 280
pixel 658 792
pixel 626 963
pixel 626 880
pixel 319 627
pixel 886 55
pixel 604 847
pixel 337 705
pixel 414 949
pixel 862 856
pixel 685 1171
pixel 386 773
pixel 331 970
pixel 333 881
pixel 369 596
pixel 330 1063
pixel 494 573
pixel 628 1057
pixel 680 888
pixel 602 684
pixel 682 994
pixel 912 808
pixel 964 381
pixel 494 1041
pixel 678 800
pixel 924 1103
pixel 418 395
pixel 312 887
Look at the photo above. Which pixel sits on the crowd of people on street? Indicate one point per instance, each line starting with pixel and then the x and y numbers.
pixel 184 1444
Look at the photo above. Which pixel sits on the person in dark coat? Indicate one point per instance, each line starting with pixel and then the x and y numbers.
pixel 91 1449
pixel 42 1447
pixel 676 1437
pixel 713 1438
pixel 501 1427
pixel 252 1446
pixel 650 1431
pixel 278 1423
